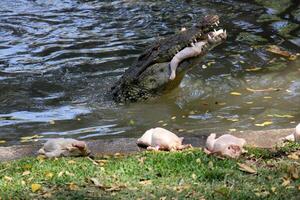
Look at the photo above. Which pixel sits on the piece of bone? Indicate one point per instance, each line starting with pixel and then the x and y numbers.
pixel 161 139
pixel 185 53
pixel 64 147
pixel 225 145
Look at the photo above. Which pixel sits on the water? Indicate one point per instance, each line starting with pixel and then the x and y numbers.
pixel 59 58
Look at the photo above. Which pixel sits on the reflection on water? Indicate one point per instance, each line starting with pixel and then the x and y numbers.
pixel 58 60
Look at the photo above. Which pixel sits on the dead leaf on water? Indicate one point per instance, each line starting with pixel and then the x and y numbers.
pixel 276 50
pixel 2 141
pixel 263 90
pixel 253 69
pixel 235 93
pixel 281 116
pixel 264 124
pixel 246 168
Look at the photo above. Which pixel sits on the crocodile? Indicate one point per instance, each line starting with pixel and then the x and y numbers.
pixel 162 66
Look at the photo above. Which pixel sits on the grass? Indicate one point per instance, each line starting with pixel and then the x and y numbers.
pixel 189 174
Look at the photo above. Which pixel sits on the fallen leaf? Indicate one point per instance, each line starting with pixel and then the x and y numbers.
pixel 281 116
pixel 73 186
pixel 286 182
pixel 232 129
pixel 275 49
pixel 263 90
pixel 2 141
pixel 8 178
pixel 174 117
pixel 31 137
pixel 145 182
pixel 60 174
pixel 235 93
pixel 253 69
pixel 96 182
pixel 293 156
pixel 35 187
pixel 49 175
pixel 71 162
pixel 25 173
pixel 264 123
pixel 273 189
pixel 69 173
pixel 115 188
pixel 233 119
pixel 142 160
pixel 246 168
pixel 294 172
pixel 194 176
pixel 131 122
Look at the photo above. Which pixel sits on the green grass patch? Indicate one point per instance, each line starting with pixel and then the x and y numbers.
pixel 189 174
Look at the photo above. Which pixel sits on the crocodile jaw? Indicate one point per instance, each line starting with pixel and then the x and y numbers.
pixel 196 49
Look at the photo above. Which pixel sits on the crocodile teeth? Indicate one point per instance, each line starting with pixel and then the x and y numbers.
pixel 216 23
pixel 195 40
pixel 215 30
pixel 209 37
pixel 192 44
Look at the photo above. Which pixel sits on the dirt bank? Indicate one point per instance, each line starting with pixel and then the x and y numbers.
pixel 264 139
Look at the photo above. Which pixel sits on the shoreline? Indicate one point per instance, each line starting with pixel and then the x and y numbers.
pixel 262 139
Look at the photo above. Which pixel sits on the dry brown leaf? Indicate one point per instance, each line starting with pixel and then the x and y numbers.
pixel 73 186
pixel 246 168
pixel 145 182
pixel 286 182
pixel 71 162
pixel 293 156
pixel 294 172
pixel 115 188
pixel 275 49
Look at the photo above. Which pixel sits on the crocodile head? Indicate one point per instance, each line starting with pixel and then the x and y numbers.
pixel 151 73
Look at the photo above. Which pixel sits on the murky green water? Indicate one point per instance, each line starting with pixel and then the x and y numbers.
pixel 58 60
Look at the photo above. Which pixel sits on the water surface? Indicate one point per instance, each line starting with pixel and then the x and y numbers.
pixel 58 60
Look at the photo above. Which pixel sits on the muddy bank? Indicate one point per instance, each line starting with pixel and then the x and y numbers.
pixel 264 139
